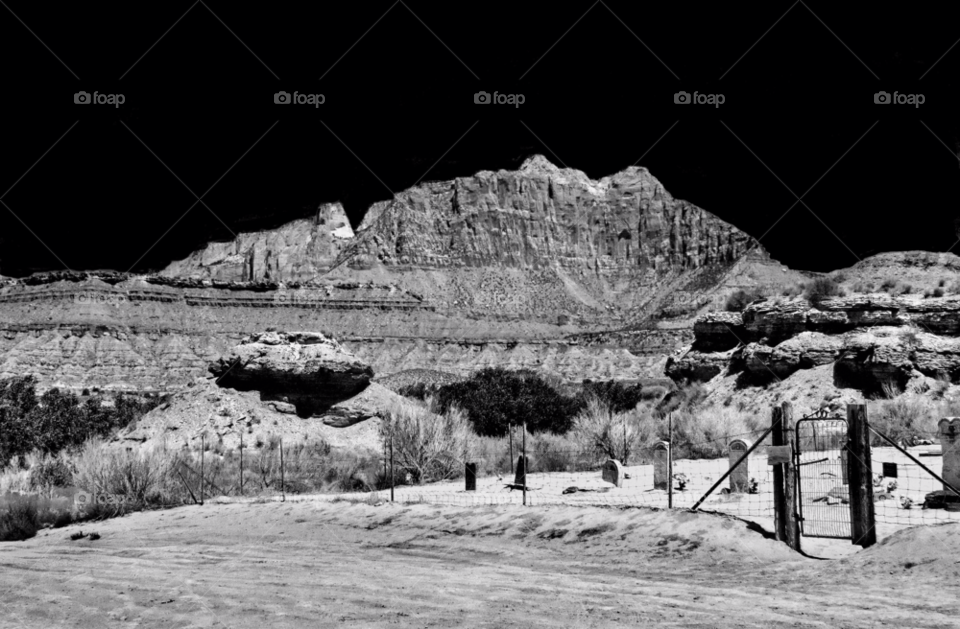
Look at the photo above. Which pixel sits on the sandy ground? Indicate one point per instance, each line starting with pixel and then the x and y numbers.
pixel 318 564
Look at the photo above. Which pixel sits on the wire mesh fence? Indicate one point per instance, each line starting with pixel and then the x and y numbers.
pixel 558 473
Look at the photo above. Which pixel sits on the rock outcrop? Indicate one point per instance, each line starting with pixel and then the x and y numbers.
pixel 871 341
pixel 305 369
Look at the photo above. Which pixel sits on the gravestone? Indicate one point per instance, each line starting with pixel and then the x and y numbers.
pixel 661 471
pixel 613 472
pixel 950 446
pixel 740 475
pixel 471 476
pixel 523 463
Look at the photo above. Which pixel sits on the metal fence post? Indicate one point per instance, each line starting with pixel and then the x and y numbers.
pixel 525 470
pixel 283 488
pixel 393 474
pixel 670 461
pixel 202 446
pixel 241 462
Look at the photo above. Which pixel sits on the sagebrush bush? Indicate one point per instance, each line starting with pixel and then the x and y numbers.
pixel 905 418
pixel 19 518
pixel 741 298
pixel 603 433
pixel 428 444
pixel 820 289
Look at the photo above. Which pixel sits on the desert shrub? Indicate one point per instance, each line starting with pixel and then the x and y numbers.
pixel 19 518
pixel 909 335
pixel 49 471
pixel 741 298
pixel 820 289
pixel 862 287
pixel 705 432
pixel 938 292
pixel 684 397
pixel 654 393
pixel 906 289
pixel 888 284
pixel 417 391
pixel 602 433
pixel 553 453
pixel 58 419
pixel 792 291
pixel 618 396
pixel 839 277
pixel 494 399
pixel 905 418
pixel 141 478
pixel 427 443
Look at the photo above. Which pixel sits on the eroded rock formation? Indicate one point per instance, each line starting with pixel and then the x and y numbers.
pixel 871 340
pixel 305 369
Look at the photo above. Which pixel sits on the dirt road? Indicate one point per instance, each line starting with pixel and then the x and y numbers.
pixel 345 564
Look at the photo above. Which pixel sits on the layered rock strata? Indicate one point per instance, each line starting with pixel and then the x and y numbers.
pixel 871 341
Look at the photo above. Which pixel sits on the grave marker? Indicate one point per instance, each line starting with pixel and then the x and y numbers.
pixel 471 477
pixel 740 476
pixel 950 446
pixel 613 472
pixel 523 463
pixel 661 463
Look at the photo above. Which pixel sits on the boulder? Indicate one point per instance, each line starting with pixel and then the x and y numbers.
pixel 306 369
pixel 697 366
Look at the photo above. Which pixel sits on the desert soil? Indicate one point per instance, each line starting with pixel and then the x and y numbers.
pixel 317 564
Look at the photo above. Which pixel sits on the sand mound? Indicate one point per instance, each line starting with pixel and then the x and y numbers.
pixel 933 550
pixel 222 414
pixel 620 532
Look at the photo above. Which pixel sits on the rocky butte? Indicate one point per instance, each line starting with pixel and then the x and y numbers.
pixel 541 267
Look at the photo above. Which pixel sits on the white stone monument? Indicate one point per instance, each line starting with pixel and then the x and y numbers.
pixel 740 476
pixel 661 471
pixel 950 445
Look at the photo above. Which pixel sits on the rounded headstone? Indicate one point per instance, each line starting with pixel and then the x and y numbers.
pixel 613 472
pixel 661 464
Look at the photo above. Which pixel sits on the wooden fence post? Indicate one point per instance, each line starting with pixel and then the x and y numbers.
pixel 784 479
pixel 862 522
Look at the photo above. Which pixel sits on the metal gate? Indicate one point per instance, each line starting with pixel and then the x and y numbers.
pixel 823 493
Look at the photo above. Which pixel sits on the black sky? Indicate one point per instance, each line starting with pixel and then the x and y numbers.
pixel 598 79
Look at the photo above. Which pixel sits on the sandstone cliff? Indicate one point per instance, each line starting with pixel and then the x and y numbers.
pixel 540 268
